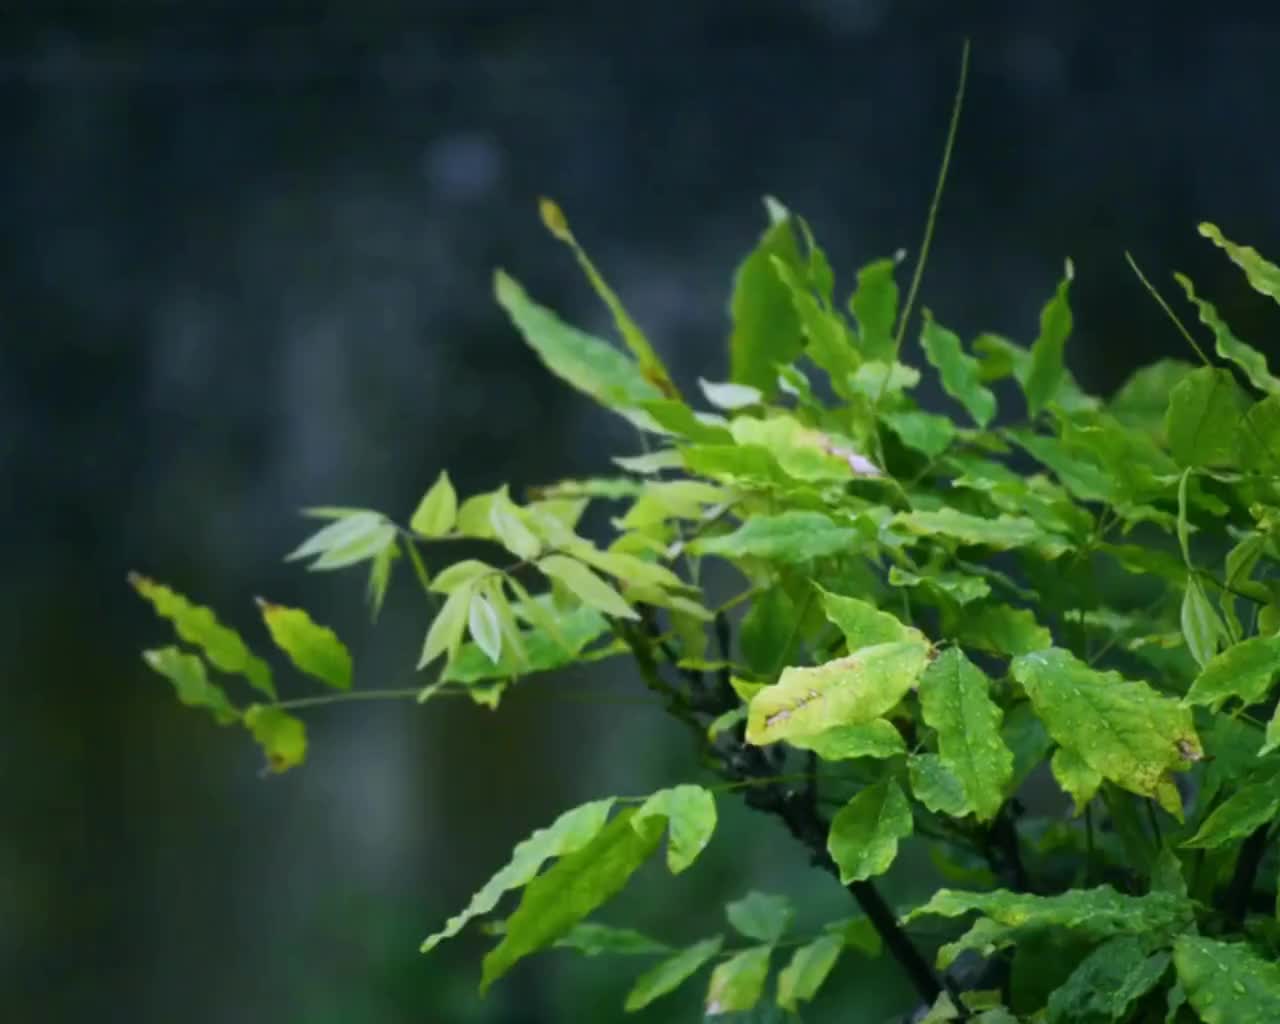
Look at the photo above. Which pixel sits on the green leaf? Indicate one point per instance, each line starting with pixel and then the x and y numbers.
pixel 1142 400
pixel 958 586
pixel 738 983
pixel 1252 362
pixel 956 702
pixel 1203 631
pixel 585 362
pixel 584 584
pixel 1227 982
pixel 935 786
pixel 591 939
pixel 794 536
pixel 1260 436
pixel 1245 671
pixel 848 691
pixel 875 306
pixel 1003 630
pixel 570 832
pixel 768 631
pixel 510 529
pixel 461 574
pixel 800 980
pixel 1263 276
pixel 1046 373
pixel 447 628
pixel 870 379
pixel 730 396
pixel 1076 778
pixel 1098 913
pixel 960 372
pixel 766 329
pixel 437 512
pixel 864 833
pixel 380 577
pixel 197 625
pixel 1107 983
pixel 763 916
pixel 543 649
pixel 864 625
pixel 1125 731
pixel 800 451
pixel 314 649
pixel 999 533
pixel 1203 419
pixel 671 973
pixel 1254 804
pixel 690 812
pixel 486 630
pixel 283 737
pixel 926 432
pixel 191 681
pixel 1025 735
pixel 353 538
pixel 572 888
pixel 877 738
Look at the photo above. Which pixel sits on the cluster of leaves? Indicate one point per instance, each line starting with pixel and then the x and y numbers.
pixel 938 613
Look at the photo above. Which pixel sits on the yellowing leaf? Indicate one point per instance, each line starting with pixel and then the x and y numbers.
pixel 283 737
pixel 877 738
pixel 314 649
pixel 955 700
pixel 191 682
pixel 198 625
pixel 690 813
pixel 571 889
pixel 864 833
pixel 864 625
pixel 848 691
pixel 738 983
pixel 572 831
pixel 671 973
pixel 1075 777
pixel 438 510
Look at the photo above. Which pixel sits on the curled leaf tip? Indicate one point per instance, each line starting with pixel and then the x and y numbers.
pixel 553 219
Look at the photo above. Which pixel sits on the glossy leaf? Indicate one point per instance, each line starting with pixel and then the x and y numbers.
pixel 810 965
pixel 191 682
pixel 447 628
pixel 1227 982
pixel 197 625
pixel 789 537
pixel 1123 730
pixel 314 649
pixel 738 983
pixel 570 832
pixel 671 973
pixel 956 702
pixel 586 586
pixel 485 629
pixel 960 372
pixel 1244 671
pixel 762 916
pixel 1106 984
pixel 959 587
pixel 437 512
pixel 690 813
pixel 283 737
pixel 1203 420
pixel 865 832
pixel 1047 371
pixel 848 691
pixel 936 786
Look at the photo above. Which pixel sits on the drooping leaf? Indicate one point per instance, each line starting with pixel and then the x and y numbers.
pixel 865 832
pixel 380 577
pixel 936 786
pixel 958 586
pixel 437 512
pixel 877 738
pixel 1263 276
pixel 999 533
pixel 1125 731
pixel 671 973
pixel 848 691
pixel 768 631
pixel 794 536
pixel 1047 371
pixel 570 832
pixel 955 700
pixel 356 537
pixel 592 366
pixel 690 813
pixel 1202 629
pixel 591 939
pixel 1244 671
pixel 960 372
pixel 1107 983
pixel 730 396
pixel 191 682
pixel 314 649
pixel 569 890
pixel 763 916
pixel 1252 362
pixel 738 983
pixel 766 331
pixel 1075 777
pixel 1098 913
pixel 1227 982
pixel 197 625
pixel 586 586
pixel 864 625
pixel 483 624
pixel 1203 419
pixel 875 306
pixel 1255 803
pixel 800 980
pixel 282 736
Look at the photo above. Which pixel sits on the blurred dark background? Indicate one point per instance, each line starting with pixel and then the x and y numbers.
pixel 245 259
